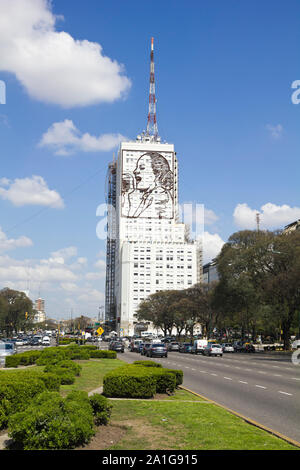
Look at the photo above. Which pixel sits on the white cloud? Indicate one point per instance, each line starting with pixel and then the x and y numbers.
pixel 7 244
pixel 65 139
pixel 271 216
pixel 95 276
pixel 275 131
pixel 30 191
pixel 52 66
pixel 65 253
pixel 210 217
pixel 100 264
pixel 212 244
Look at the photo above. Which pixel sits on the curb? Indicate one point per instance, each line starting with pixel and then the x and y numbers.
pixel 246 419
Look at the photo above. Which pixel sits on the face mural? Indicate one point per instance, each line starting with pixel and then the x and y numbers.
pixel 148 190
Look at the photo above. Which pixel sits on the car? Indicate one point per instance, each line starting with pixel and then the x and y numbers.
pixel 46 341
pixel 117 346
pixel 213 349
pixel 296 344
pixel 248 348
pixel 238 346
pixel 185 347
pixel 34 342
pixel 227 347
pixel 134 345
pixel 145 348
pixel 173 346
pixel 157 349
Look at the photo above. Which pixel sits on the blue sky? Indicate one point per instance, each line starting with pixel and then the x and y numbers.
pixel 224 71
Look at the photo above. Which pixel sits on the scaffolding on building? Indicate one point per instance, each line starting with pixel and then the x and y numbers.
pixel 110 294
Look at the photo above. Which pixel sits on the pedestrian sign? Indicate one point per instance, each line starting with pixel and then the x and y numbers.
pixel 100 331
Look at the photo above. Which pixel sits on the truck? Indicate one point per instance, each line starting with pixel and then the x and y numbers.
pixel 198 346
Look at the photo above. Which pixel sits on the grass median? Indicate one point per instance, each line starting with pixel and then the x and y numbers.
pixel 182 421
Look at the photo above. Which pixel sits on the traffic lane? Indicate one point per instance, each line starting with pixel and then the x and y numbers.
pixel 228 361
pixel 277 411
pixel 259 379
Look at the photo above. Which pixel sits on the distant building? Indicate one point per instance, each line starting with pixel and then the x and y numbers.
pixel 292 227
pixel 210 273
pixel 39 306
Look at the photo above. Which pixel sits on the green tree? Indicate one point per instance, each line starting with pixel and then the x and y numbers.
pixel 157 308
pixel 18 310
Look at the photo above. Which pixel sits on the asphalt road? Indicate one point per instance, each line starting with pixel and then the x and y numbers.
pixel 259 386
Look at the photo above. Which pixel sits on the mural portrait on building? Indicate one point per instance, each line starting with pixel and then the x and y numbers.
pixel 148 192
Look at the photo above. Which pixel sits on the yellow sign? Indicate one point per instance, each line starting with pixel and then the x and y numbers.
pixel 100 331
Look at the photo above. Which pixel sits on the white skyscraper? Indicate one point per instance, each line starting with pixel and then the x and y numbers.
pixel 148 249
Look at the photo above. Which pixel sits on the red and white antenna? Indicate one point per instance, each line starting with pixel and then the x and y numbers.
pixel 152 129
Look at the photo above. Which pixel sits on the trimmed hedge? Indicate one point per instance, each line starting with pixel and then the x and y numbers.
pixel 101 409
pixel 16 394
pixel 147 363
pixel 52 356
pixel 129 382
pixel 140 381
pixel 23 359
pixel 51 422
pixel 178 374
pixel 65 371
pixel 165 380
pixel 103 354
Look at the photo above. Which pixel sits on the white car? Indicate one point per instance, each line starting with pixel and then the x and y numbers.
pixel 213 349
pixel 46 341
pixel 296 344
pixel 227 347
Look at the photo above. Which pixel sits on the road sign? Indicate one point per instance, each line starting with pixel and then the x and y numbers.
pixel 100 331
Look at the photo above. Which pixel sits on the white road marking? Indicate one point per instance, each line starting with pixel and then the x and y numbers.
pixel 285 393
pixel 260 386
pixel 227 378
pixel 241 381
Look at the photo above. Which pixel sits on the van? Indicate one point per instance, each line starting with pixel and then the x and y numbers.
pixel 198 346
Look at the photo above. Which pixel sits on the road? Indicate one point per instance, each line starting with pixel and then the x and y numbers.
pixel 259 386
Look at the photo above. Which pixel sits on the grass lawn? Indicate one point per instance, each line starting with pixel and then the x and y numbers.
pixel 182 425
pixel 93 371
pixel 183 421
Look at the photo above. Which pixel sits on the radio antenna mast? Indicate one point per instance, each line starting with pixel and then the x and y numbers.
pixel 152 129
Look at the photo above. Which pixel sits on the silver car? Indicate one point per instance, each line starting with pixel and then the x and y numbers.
pixel 227 347
pixel 213 350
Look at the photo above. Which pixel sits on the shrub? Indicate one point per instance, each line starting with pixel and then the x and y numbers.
pixel 67 364
pixel 51 356
pixel 101 409
pixel 24 359
pixel 103 354
pixel 51 422
pixel 29 357
pixel 17 392
pixel 129 382
pixel 3 417
pixel 165 380
pixel 12 361
pixel 178 374
pixel 147 363
pixel 79 355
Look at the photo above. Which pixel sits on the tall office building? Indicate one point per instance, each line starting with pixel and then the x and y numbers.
pixel 148 249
